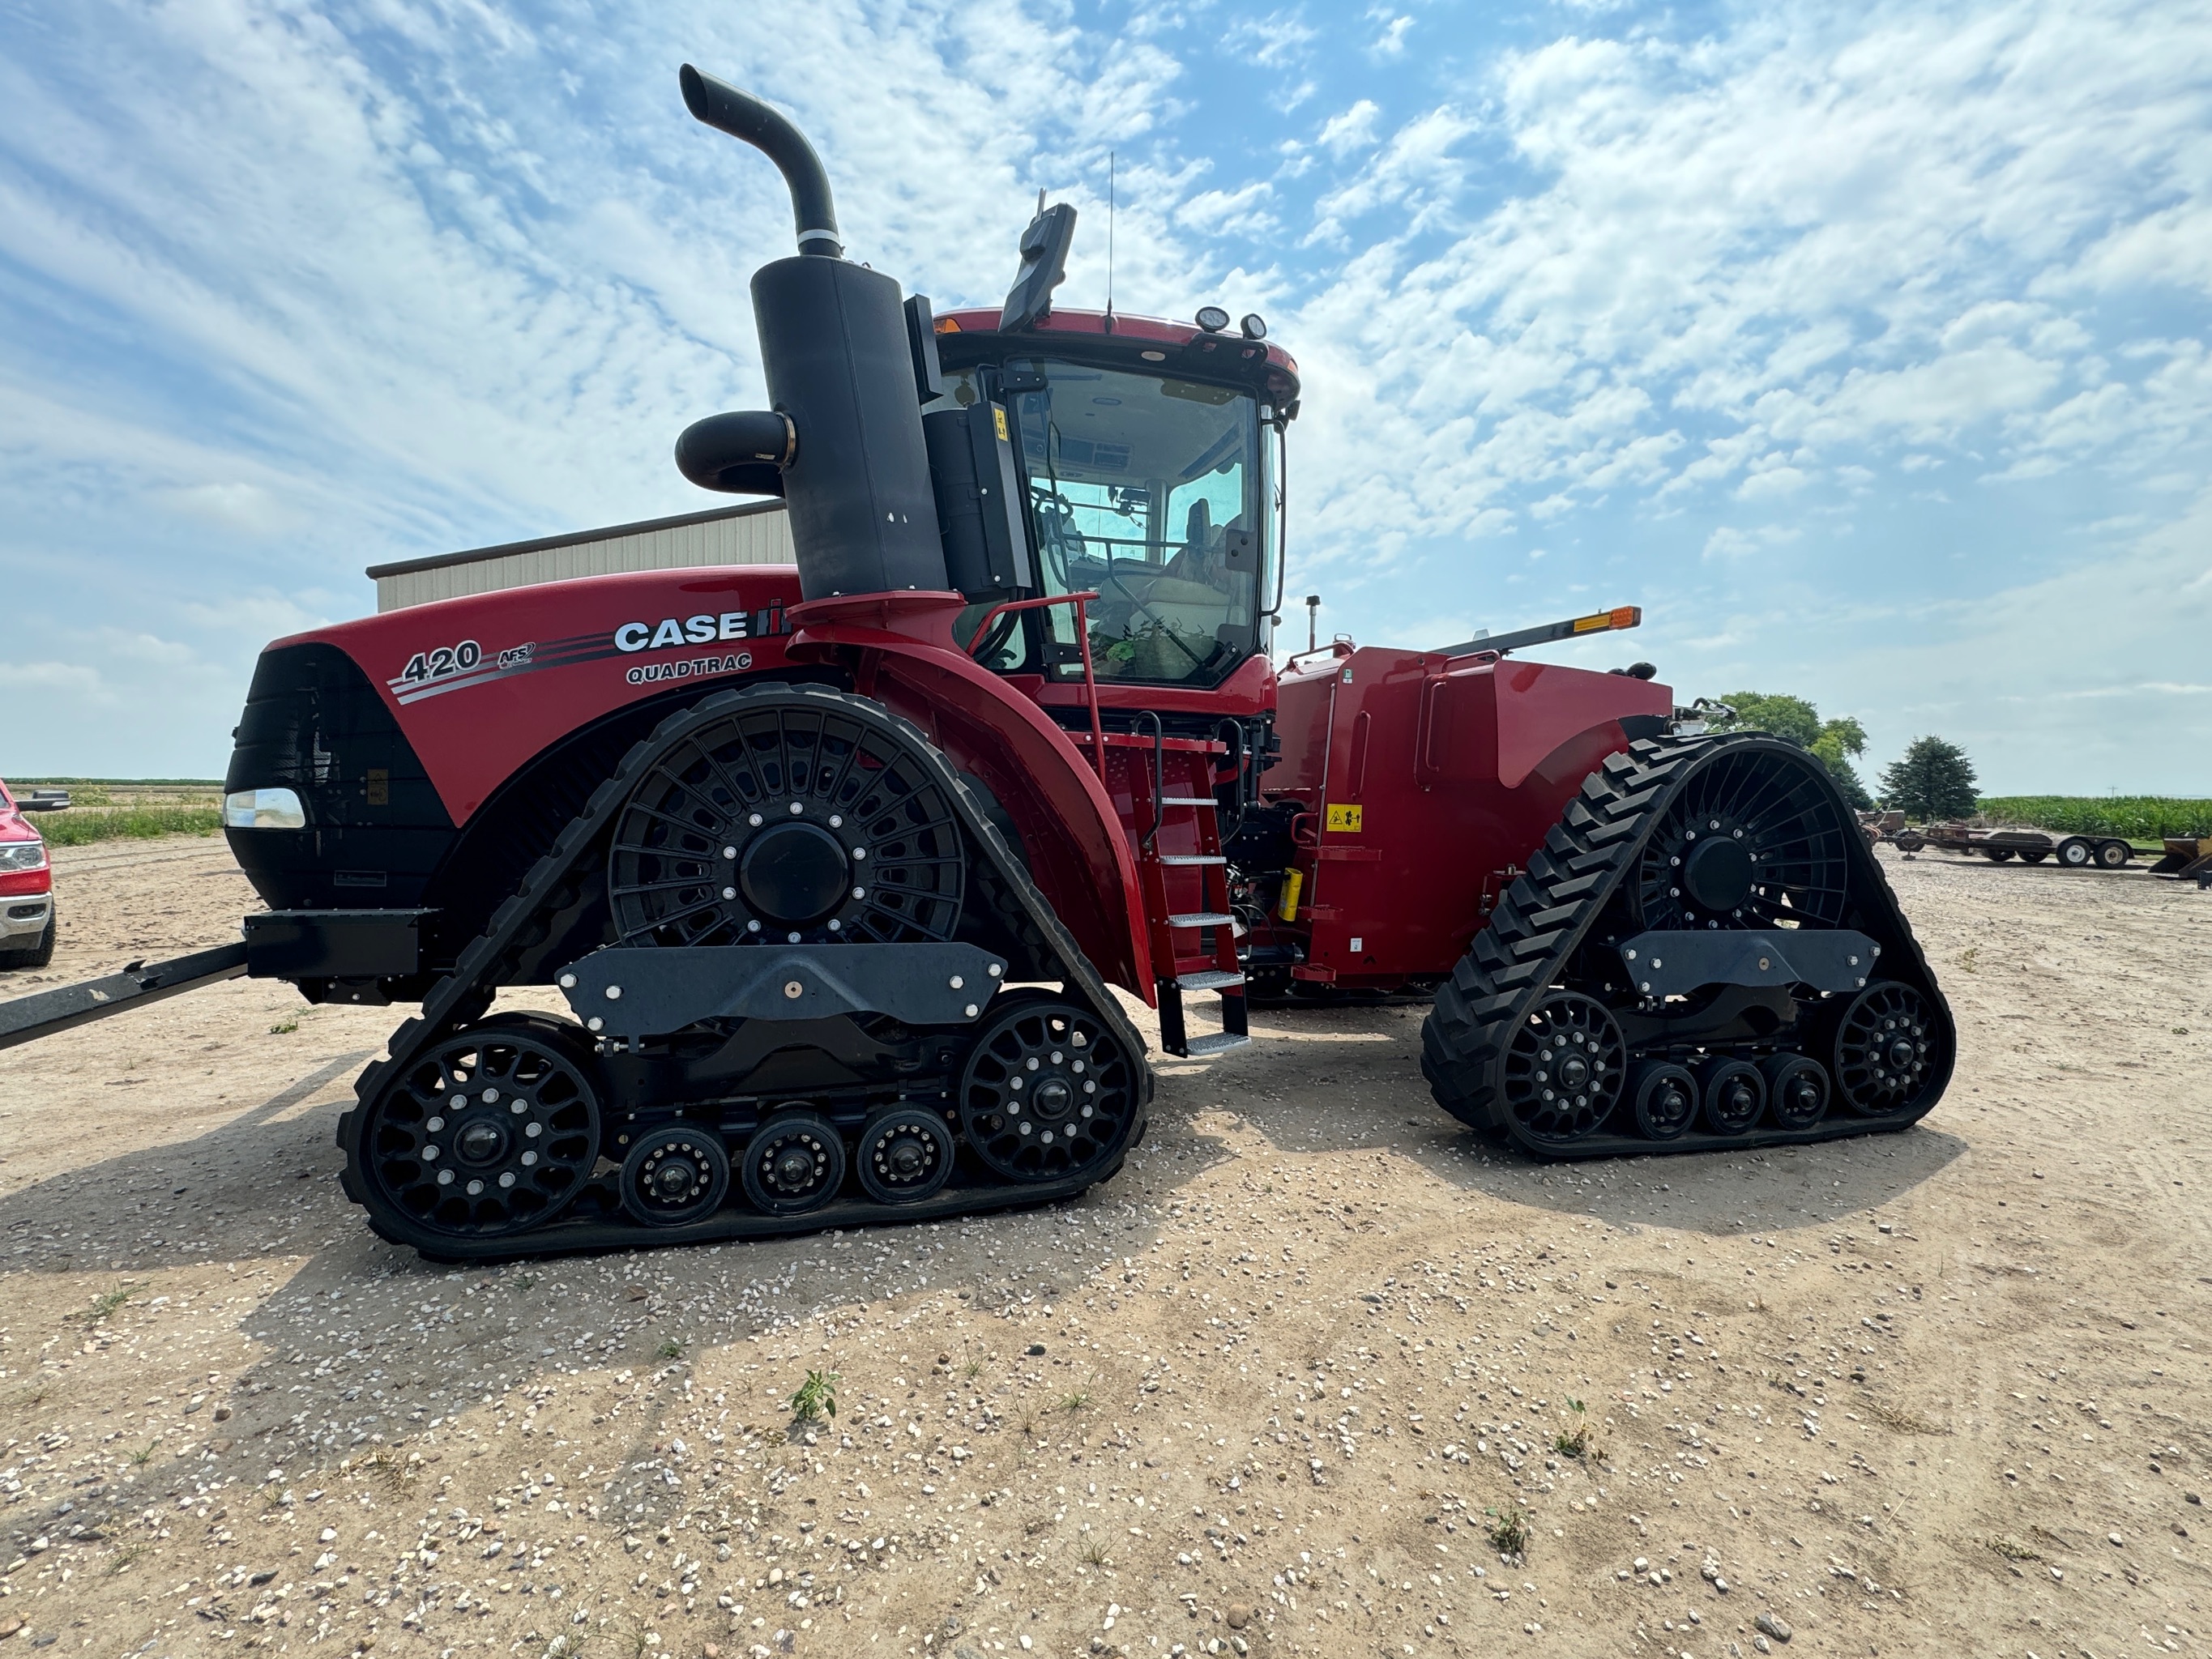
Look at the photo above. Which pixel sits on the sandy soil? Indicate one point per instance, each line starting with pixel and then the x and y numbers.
pixel 1940 1391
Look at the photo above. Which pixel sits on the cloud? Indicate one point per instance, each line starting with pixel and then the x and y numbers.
pixel 1353 130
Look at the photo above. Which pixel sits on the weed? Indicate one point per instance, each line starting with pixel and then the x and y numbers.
pixel 974 1367
pixel 2012 1549
pixel 107 1303
pixel 1573 1441
pixel 523 1282
pixel 1508 1532
pixel 1094 1552
pixel 1075 1400
pixel 120 1561
pixel 671 1349
pixel 815 1397
pixel 1029 1423
pixel 284 1027
pixel 1967 958
pixel 144 1455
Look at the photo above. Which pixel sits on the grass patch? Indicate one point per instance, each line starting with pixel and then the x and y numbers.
pixel 284 1027
pixel 671 1349
pixel 815 1397
pixel 81 826
pixel 2135 818
pixel 1508 1532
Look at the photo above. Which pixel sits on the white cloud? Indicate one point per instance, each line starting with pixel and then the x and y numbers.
pixel 1353 130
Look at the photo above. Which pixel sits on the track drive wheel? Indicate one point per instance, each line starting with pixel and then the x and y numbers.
pixel 492 1131
pixel 1047 1092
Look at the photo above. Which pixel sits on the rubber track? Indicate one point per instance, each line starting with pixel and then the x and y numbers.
pixel 464 995
pixel 1543 915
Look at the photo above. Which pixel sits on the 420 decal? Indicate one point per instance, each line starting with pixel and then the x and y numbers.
pixel 437 665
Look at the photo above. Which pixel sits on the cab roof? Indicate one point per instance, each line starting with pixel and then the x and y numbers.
pixel 1140 344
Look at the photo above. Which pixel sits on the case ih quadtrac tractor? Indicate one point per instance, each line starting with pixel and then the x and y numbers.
pixel 837 866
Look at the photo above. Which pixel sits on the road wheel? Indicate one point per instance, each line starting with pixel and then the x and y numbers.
pixel 1998 854
pixel 2035 855
pixel 2114 854
pixel 2075 853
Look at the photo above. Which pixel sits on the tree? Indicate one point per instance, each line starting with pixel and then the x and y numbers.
pixel 1932 780
pixel 1832 743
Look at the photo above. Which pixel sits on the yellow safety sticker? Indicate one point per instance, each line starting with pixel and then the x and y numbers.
pixel 1344 818
pixel 999 420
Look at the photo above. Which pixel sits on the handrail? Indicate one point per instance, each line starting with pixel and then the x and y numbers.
pixel 1159 777
pixel 1082 604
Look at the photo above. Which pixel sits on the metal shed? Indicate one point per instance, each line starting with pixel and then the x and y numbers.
pixel 757 533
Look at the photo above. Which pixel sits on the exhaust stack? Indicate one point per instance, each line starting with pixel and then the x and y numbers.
pixel 851 464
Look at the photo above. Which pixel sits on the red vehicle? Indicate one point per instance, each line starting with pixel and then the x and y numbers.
pixel 28 920
pixel 838 866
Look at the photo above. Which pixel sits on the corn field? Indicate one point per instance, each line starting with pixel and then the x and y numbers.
pixel 2138 817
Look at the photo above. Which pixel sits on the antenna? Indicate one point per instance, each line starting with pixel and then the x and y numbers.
pixel 1110 241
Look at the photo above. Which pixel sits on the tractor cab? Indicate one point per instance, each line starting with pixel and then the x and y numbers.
pixel 1149 457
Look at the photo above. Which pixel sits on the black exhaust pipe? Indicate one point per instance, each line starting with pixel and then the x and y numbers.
pixel 744 116
pixel 853 465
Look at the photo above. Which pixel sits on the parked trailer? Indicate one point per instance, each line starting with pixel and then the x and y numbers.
pixel 2188 857
pixel 2001 846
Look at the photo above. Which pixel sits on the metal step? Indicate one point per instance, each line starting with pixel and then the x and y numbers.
pixel 1189 800
pixel 1201 919
pixel 1212 979
pixel 1218 1042
pixel 1192 858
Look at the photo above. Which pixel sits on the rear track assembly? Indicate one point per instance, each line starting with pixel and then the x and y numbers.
pixel 1806 1012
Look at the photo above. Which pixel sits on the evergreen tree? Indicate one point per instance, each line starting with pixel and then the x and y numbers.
pixel 1933 780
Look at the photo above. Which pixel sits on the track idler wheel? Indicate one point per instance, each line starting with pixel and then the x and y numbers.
pixel 1564 1068
pixel 905 1155
pixel 794 1162
pixel 675 1173
pixel 1886 1049
pixel 1665 1097
pixel 1047 1092
pixel 1733 1094
pixel 1798 1087
pixel 492 1131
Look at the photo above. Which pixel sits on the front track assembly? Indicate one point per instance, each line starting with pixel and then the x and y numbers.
pixel 800 1017
pixel 1704 953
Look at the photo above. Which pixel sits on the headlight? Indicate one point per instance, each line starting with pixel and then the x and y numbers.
pixel 262 809
pixel 22 855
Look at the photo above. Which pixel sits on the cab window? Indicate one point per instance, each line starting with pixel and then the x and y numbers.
pixel 1147 489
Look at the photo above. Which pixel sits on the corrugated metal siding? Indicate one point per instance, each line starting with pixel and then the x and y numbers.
pixel 747 536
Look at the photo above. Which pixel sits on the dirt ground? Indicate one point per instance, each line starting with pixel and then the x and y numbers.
pixel 1266 1392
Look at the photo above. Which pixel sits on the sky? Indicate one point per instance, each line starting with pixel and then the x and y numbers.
pixel 1864 347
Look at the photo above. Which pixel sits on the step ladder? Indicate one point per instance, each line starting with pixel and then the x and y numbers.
pixel 1194 934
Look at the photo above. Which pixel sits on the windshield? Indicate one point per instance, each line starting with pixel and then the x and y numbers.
pixel 1148 490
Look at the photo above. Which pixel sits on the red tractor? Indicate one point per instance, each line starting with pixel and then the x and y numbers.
pixel 837 866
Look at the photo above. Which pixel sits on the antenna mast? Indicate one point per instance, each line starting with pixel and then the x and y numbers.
pixel 1110 241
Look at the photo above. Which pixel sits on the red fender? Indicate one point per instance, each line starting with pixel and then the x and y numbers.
pixel 900 650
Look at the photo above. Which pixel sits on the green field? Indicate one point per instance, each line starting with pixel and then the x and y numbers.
pixel 126 809
pixel 2138 817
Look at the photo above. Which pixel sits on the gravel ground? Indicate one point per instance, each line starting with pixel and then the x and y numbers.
pixel 1273 1390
